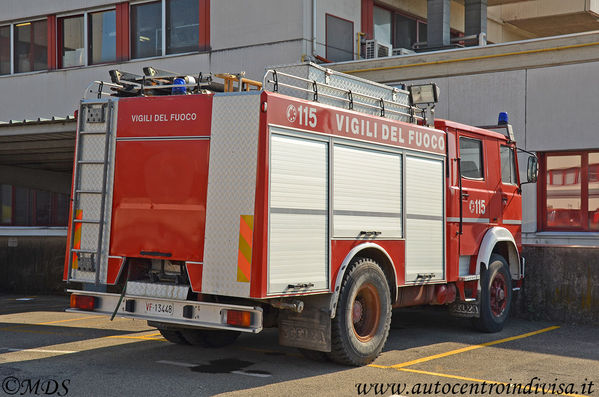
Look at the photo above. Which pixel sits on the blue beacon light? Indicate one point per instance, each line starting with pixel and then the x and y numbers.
pixel 179 90
pixel 503 118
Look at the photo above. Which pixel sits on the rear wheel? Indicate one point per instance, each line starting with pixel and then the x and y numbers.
pixel 361 324
pixel 496 296
pixel 173 336
pixel 210 338
pixel 313 355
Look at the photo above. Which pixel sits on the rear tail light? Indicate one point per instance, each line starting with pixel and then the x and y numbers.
pixel 83 302
pixel 239 318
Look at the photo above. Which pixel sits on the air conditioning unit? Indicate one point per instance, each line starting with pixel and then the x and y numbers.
pixel 376 49
pixel 402 51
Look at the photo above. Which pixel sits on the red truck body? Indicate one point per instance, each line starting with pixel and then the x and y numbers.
pixel 235 211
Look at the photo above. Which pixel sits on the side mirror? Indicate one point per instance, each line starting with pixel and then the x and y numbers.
pixel 532 170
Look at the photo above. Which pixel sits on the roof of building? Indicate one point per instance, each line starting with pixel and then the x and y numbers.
pixel 39 120
pixel 43 143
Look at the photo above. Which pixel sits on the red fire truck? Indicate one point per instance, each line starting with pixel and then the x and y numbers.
pixel 314 202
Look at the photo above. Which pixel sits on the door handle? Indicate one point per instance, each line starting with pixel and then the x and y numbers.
pixel 465 195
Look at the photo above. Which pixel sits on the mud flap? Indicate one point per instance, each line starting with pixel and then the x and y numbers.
pixel 310 329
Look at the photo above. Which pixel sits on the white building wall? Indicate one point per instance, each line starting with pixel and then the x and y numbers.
pixel 236 23
pixel 562 105
pixel 242 38
pixel 24 9
pixel 57 92
pixel 346 9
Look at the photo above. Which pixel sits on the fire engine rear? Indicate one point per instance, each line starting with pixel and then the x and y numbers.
pixel 313 202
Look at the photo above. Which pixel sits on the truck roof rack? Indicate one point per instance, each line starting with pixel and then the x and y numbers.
pixel 306 81
pixel 313 82
pixel 156 82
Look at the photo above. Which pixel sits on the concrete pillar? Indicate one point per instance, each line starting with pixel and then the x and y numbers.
pixel 437 23
pixel 475 17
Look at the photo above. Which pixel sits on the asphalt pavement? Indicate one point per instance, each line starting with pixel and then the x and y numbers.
pixel 46 351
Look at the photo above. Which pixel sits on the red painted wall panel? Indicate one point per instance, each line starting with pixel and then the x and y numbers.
pixel 52 42
pixel 161 177
pixel 122 31
pixel 204 37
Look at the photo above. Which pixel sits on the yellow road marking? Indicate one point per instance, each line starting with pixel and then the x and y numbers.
pixel 63 348
pixel 465 349
pixel 67 320
pixel 19 328
pixel 535 389
pixel 143 337
pixel 16 328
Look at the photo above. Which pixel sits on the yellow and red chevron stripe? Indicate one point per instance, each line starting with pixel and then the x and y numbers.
pixel 244 257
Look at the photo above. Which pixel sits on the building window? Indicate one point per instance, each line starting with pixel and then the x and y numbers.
pixel 182 26
pixel 340 39
pixel 4 50
pixel 569 191
pixel 471 158
pixel 23 207
pixel 399 30
pixel 70 42
pixel 5 204
pixel 382 25
pixel 405 31
pixel 102 37
pixel 508 165
pixel 146 30
pixel 29 207
pixel 31 46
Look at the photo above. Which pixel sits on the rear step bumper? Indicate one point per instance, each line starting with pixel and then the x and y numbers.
pixel 180 312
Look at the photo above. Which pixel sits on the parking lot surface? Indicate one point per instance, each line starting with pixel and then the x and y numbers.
pixel 46 351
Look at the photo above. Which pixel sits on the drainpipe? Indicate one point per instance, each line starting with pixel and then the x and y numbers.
pixel 314 28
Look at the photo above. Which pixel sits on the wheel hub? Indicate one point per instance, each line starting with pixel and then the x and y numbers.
pixel 366 310
pixel 498 294
pixel 357 312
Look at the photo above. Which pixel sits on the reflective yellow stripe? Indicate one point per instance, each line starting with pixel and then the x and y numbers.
pixel 244 256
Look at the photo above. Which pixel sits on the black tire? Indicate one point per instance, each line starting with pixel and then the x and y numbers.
pixel 173 336
pixel 313 355
pixel 496 296
pixel 363 317
pixel 210 338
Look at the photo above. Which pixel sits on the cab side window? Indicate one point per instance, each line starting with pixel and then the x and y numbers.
pixel 508 165
pixel 471 155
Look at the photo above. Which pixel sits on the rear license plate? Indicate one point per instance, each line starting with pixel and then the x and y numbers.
pixel 163 309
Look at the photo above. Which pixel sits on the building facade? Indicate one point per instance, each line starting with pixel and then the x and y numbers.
pixel 486 55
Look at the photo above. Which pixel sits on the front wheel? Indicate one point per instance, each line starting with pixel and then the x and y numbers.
pixel 495 296
pixel 362 321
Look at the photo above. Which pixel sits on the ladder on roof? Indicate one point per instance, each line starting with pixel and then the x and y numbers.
pixel 92 193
